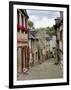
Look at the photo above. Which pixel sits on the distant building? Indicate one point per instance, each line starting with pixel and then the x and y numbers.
pixel 39 44
pixel 53 41
pixel 43 44
pixel 33 40
pixel 22 41
pixel 51 45
pixel 47 46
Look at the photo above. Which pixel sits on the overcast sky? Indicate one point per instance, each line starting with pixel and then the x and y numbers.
pixel 42 18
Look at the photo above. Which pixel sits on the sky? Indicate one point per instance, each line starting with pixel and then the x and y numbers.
pixel 42 18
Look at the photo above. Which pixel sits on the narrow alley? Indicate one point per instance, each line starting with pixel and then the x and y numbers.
pixel 46 70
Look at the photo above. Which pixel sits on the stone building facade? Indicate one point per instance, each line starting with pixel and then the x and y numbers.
pixel 59 36
pixel 22 41
pixel 33 40
pixel 39 44
pixel 59 31
pixel 43 45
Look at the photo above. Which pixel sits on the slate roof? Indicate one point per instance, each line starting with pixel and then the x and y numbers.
pixel 24 12
pixel 32 34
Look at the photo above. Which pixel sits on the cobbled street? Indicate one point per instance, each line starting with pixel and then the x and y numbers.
pixel 46 70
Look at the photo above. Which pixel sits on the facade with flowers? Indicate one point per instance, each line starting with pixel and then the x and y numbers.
pixel 22 41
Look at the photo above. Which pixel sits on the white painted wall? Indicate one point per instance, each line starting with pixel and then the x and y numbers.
pixel 4 46
pixel 53 41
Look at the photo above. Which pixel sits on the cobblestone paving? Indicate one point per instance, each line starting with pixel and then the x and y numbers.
pixel 46 70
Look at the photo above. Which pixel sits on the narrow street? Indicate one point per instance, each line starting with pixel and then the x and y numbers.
pixel 46 70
